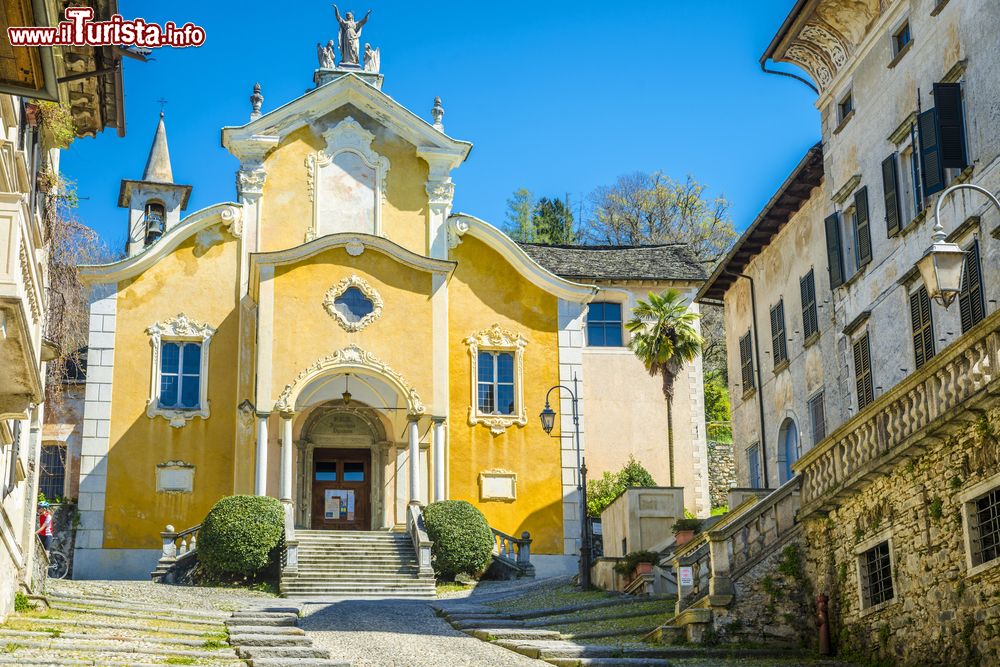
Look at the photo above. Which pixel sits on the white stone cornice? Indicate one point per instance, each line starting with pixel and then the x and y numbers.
pixel 461 224
pixel 348 89
pixel 355 244
pixel 229 214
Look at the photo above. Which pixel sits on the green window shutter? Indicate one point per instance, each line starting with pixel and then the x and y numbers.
pixel 951 125
pixel 778 344
pixel 862 227
pixel 890 189
pixel 810 316
pixel 931 169
pixel 863 372
pixel 746 362
pixel 923 327
pixel 971 306
pixel 834 250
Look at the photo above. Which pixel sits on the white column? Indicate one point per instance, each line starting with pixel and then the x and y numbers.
pixel 439 459
pixel 286 457
pixel 260 485
pixel 414 437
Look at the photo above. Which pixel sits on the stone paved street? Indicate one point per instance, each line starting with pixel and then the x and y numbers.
pixel 399 633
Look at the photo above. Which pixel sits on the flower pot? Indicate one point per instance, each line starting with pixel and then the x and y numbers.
pixel 642 568
pixel 683 537
pixel 32 114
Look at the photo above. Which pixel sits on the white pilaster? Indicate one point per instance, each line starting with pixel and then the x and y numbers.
pixel 413 435
pixel 97 419
pixel 571 343
pixel 260 479
pixel 286 457
pixel 440 493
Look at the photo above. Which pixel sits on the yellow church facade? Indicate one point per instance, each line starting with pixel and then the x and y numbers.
pixel 339 338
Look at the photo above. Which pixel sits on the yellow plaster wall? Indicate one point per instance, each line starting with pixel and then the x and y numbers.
pixel 485 289
pixel 196 279
pixel 305 332
pixel 287 211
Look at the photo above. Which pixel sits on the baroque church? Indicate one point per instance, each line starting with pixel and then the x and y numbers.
pixel 339 338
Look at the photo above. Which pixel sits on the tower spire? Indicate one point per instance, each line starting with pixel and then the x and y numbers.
pixel 158 165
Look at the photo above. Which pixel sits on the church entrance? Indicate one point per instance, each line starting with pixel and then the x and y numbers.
pixel 341 489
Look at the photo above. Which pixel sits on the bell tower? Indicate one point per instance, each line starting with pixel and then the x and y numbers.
pixel 154 203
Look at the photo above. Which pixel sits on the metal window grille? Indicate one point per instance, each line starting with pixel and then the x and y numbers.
pixel 985 528
pixel 52 480
pixel 876 575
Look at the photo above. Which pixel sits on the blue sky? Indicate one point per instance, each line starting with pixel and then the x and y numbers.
pixel 558 97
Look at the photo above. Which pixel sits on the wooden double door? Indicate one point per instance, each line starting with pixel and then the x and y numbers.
pixel 341 489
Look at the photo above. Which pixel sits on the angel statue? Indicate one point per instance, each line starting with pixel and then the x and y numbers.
pixel 373 58
pixel 349 36
pixel 325 55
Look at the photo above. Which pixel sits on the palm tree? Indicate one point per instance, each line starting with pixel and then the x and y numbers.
pixel 664 337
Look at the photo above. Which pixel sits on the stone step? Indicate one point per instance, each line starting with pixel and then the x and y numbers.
pixel 111 613
pixel 284 621
pixel 358 585
pixel 120 646
pixel 345 564
pixel 68 659
pixel 108 603
pixel 265 630
pixel 55 622
pixel 609 662
pixel 270 610
pixel 329 596
pixel 356 577
pixel 511 634
pixel 268 640
pixel 282 652
pixel 297 662
pixel 10 635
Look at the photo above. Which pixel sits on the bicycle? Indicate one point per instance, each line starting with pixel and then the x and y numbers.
pixel 58 565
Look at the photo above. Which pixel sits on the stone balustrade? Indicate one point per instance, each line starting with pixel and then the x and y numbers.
pixel 177 547
pixel 694 554
pixel 515 550
pixel 925 404
pixel 421 541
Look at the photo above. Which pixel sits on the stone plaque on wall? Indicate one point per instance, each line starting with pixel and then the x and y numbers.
pixel 497 485
pixel 174 477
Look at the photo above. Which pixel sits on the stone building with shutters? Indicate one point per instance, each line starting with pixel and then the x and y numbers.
pixel 857 399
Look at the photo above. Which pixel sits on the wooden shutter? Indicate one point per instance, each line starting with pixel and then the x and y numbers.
pixel 931 169
pixel 970 300
pixel 746 362
pixel 810 316
pixel 951 125
pixel 863 372
pixel 890 189
pixel 923 328
pixel 834 250
pixel 817 415
pixel 862 228
pixel 779 349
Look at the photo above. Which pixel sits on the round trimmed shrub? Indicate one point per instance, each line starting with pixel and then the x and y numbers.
pixel 240 536
pixel 463 541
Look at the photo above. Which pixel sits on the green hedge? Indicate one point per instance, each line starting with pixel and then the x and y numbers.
pixel 240 536
pixel 463 541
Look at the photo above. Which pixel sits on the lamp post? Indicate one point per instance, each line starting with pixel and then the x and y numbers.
pixel 548 417
pixel 942 265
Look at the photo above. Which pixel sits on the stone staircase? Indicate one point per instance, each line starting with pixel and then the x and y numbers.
pixel 129 630
pixel 356 564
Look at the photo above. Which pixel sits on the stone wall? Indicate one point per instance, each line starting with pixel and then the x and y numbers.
pixel 721 471
pixel 939 614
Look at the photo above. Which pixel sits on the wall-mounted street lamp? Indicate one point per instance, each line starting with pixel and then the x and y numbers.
pixel 548 417
pixel 942 265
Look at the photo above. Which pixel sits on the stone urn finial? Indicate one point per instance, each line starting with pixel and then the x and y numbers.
pixel 437 113
pixel 256 101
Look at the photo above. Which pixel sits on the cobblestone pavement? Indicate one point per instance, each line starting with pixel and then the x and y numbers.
pixel 399 633
pixel 200 597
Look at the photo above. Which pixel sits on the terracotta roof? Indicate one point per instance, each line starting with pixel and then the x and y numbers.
pixel 789 198
pixel 673 261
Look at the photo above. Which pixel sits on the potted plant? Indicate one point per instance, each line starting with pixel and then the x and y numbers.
pixel 637 563
pixel 685 529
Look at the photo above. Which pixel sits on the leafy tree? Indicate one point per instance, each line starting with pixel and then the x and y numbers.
pixel 717 408
pixel 602 492
pixel 519 209
pixel 240 537
pixel 664 338
pixel 553 222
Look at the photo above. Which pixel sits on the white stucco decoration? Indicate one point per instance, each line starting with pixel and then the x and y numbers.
pixel 347 182
pixel 498 339
pixel 351 359
pixel 179 329
pixel 335 292
pixel 498 485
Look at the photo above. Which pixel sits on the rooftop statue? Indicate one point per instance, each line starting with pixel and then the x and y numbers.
pixel 349 37
pixel 325 55
pixel 373 58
